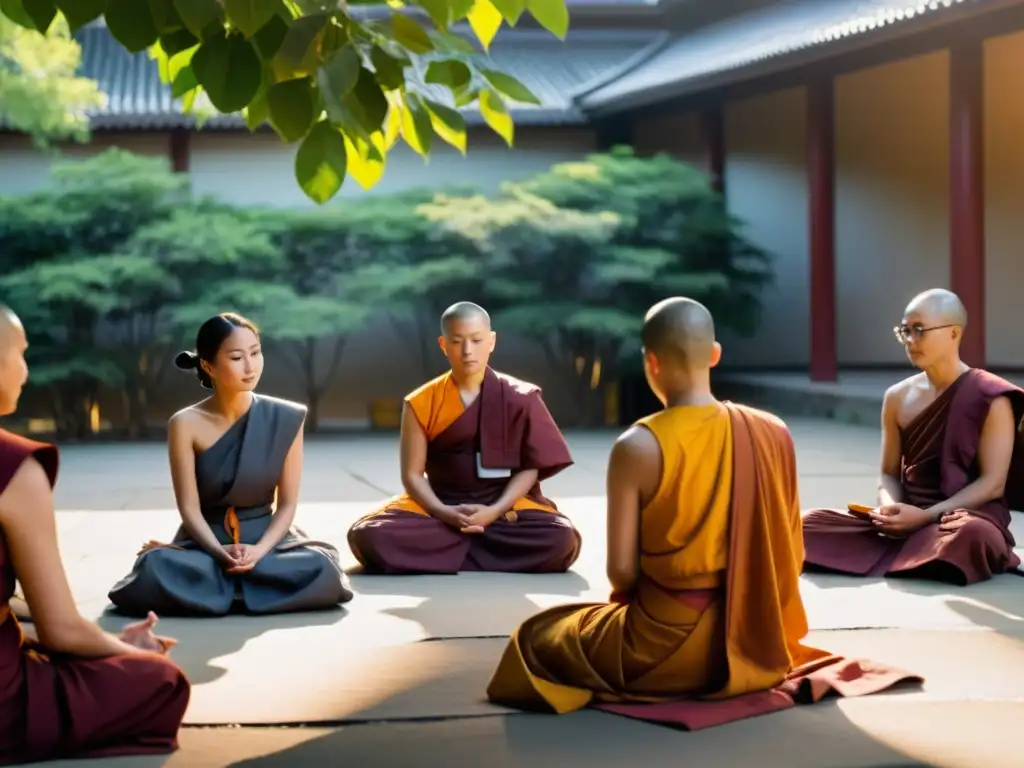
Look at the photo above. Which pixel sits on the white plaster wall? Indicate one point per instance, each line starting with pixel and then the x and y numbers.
pixel 23 168
pixel 892 200
pixel 1004 193
pixel 766 187
pixel 258 169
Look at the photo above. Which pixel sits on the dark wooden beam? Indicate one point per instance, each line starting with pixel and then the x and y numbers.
pixel 821 164
pixel 967 192
pixel 712 130
pixel 180 150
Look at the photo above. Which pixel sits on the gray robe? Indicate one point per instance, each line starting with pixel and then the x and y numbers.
pixel 241 470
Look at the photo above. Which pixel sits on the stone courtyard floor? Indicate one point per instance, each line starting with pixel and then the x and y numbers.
pixel 397 677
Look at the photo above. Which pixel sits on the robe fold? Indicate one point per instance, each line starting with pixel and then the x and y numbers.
pixel 237 478
pixel 506 428
pixel 712 631
pixel 57 706
pixel 939 459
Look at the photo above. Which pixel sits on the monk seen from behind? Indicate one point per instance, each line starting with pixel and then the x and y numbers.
pixel 951 466
pixel 704 558
pixel 475 445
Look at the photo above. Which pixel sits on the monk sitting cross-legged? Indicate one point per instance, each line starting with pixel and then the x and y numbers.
pixel 949 467
pixel 704 556
pixel 475 445
pixel 74 691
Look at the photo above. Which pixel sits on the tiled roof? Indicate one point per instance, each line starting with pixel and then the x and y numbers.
pixel 692 60
pixel 552 69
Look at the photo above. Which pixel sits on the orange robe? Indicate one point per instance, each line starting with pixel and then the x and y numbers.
pixel 716 613
pixel 508 428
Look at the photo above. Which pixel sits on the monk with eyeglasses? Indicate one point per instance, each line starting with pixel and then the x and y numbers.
pixel 952 467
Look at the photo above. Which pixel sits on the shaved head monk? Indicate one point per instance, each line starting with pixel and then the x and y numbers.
pixel 949 436
pixel 475 445
pixel 704 558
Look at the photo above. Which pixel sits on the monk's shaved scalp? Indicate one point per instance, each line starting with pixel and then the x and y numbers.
pixel 940 305
pixel 8 322
pixel 680 330
pixel 463 310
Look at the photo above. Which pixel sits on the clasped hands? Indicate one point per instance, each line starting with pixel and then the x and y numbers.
pixel 241 558
pixel 904 519
pixel 469 518
pixel 140 635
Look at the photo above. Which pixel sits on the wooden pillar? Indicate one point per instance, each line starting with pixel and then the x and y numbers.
pixel 821 193
pixel 614 131
pixel 967 192
pixel 180 150
pixel 712 130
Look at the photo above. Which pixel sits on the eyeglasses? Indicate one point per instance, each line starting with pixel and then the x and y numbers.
pixel 905 333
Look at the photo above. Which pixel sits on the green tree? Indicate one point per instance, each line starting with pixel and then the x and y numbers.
pixel 580 252
pixel 334 81
pixel 40 92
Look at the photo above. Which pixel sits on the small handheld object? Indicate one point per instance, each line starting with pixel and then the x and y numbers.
pixel 859 510
pixel 487 473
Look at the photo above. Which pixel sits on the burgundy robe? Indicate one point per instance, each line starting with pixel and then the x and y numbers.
pixel 56 706
pixel 940 450
pixel 512 429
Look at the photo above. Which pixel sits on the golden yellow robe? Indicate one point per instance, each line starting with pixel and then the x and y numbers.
pixel 717 610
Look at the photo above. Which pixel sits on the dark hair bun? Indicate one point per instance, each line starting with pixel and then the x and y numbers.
pixel 187 361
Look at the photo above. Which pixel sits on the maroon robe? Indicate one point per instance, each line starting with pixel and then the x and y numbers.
pixel 511 429
pixel 940 458
pixel 56 706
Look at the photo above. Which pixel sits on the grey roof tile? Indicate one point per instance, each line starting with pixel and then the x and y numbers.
pixel 552 69
pixel 748 39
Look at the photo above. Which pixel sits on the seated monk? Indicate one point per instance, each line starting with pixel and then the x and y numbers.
pixel 73 690
pixel 475 445
pixel 236 463
pixel 948 438
pixel 704 556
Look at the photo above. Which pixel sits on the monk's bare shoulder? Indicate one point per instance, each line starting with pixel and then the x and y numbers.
pixel 29 482
pixel 637 443
pixel 896 395
pixel 187 419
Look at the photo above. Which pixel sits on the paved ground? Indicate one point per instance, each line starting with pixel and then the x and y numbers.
pixel 397 677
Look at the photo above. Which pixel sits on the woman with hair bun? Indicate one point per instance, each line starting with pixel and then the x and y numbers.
pixel 236 464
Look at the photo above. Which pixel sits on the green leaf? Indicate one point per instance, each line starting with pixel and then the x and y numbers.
pixel 321 163
pixel 81 12
pixel 485 21
pixel 367 103
pixel 450 42
pixel 437 10
pixel 390 71
pixel 410 34
pixel 510 10
pixel 178 41
pixel 131 24
pixel 509 86
pixel 258 111
pixel 366 159
pixel 416 125
pixel 465 98
pixel 553 15
pixel 269 38
pixel 199 16
pixel 339 75
pixel 297 54
pixel 292 110
pixel 448 124
pixel 459 9
pixel 15 11
pixel 229 71
pixel 41 12
pixel 184 82
pixel 496 115
pixel 249 16
pixel 165 16
pixel 451 73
